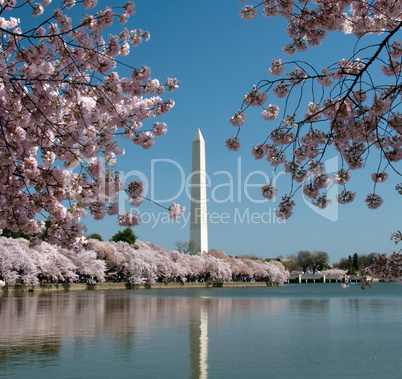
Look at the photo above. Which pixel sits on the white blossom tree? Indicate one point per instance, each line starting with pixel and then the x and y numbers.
pixel 52 264
pixel 86 263
pixel 16 262
pixel 20 261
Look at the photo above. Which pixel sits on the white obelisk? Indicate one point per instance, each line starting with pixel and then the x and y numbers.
pixel 198 215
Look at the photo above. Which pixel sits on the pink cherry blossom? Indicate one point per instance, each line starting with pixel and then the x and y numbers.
pixel 341 177
pixel 280 136
pixel 277 67
pixel 128 219
pixel 325 78
pixel 281 90
pixel 322 201
pixel 275 157
pixel 271 112
pixel 297 76
pixel 393 68
pixel 159 129
pixel 268 191
pixel 373 201
pixel 285 208
pixel 379 177
pixel 321 181
pixel 89 4
pixel 259 151
pixel 135 191
pixel 248 12
pixel 144 139
pixel 345 197
pixel 255 98
pixel 310 190
pixel 238 119
pixel 129 8
pixel 172 84
pixel 233 144
pixel 314 111
pixel 396 237
pixel 176 211
pixel 37 10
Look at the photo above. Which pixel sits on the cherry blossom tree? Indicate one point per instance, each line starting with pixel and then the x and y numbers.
pixel 136 265
pixel 334 272
pixel 86 263
pixel 107 252
pixel 195 264
pixel 62 106
pixel 218 254
pixel 16 262
pixel 142 264
pixel 139 271
pixel 163 265
pixel 388 269
pixel 255 267
pixel 271 272
pixel 20 261
pixel 217 269
pixel 239 268
pixel 181 265
pixel 276 272
pixel 352 107
pixel 52 264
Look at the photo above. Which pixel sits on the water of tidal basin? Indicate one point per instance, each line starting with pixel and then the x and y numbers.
pixel 294 331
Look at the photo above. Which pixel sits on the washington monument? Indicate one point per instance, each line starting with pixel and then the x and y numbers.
pixel 198 216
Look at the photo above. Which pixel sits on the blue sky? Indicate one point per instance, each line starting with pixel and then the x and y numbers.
pixel 217 57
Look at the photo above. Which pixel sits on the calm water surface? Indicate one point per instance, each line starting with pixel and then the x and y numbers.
pixel 294 331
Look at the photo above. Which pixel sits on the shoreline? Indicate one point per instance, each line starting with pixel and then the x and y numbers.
pixel 44 288
pixel 106 286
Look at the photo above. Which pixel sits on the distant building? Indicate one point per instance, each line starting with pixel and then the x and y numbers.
pixel 198 216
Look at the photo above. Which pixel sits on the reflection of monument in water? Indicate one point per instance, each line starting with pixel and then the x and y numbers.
pixel 198 215
pixel 199 343
pixel 199 244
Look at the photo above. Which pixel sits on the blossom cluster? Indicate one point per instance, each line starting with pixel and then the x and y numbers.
pixel 62 104
pixel 351 107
